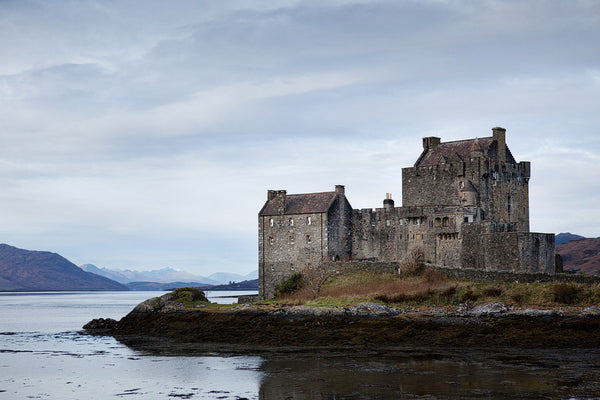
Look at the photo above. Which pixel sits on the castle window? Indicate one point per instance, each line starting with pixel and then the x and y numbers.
pixel 308 239
pixel 438 222
pixel 271 240
pixel 291 239
pixel 291 221
pixel 419 236
pixel 308 220
pixel 387 222
pixel 271 222
pixel 446 221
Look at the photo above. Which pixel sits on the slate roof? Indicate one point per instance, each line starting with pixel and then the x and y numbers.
pixel 457 151
pixel 307 203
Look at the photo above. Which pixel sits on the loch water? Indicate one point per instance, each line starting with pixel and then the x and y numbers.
pixel 45 355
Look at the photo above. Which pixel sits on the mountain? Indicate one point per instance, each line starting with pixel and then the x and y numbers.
pixel 163 275
pixel 41 270
pixel 225 277
pixel 151 286
pixel 168 276
pixel 582 255
pixel 566 237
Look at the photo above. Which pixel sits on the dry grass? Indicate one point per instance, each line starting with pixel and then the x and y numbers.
pixel 430 287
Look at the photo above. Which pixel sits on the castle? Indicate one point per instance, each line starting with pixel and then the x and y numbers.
pixel 465 203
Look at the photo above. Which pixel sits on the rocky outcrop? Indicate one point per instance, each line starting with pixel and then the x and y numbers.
pixel 366 324
pixel 101 325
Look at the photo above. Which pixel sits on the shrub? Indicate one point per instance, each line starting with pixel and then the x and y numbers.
pixel 469 295
pixel 493 292
pixel 412 262
pixel 449 292
pixel 290 285
pixel 517 297
pixel 565 293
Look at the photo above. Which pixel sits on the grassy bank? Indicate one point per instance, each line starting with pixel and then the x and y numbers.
pixel 428 287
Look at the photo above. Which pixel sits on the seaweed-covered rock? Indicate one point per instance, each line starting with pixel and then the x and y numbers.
pixel 174 301
pixel 101 324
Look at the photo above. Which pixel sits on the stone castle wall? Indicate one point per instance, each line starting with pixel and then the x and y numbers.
pixel 466 205
pixel 287 244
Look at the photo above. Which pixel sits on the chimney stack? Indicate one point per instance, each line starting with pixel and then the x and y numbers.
pixel 430 142
pixel 340 189
pixel 500 137
pixel 388 203
pixel 280 198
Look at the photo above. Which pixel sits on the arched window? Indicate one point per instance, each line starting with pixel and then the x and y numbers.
pixel 446 221
pixel 438 222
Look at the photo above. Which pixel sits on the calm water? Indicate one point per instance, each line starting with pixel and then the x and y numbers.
pixel 43 355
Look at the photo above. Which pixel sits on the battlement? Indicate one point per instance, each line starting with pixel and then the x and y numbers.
pixel 465 203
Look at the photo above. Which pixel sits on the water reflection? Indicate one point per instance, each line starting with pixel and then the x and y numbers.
pixel 451 373
pixel 411 373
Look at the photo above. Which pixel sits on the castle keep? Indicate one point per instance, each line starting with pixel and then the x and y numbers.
pixel 465 203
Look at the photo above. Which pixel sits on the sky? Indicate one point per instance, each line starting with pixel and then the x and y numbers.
pixel 145 134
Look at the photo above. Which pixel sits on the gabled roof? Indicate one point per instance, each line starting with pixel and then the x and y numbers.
pixel 459 151
pixel 307 203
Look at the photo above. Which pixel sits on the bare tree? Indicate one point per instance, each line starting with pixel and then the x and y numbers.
pixel 315 277
pixel 412 262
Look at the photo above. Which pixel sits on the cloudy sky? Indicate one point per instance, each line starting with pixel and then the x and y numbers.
pixel 145 134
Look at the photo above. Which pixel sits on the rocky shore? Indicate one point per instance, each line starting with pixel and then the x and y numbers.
pixel 366 324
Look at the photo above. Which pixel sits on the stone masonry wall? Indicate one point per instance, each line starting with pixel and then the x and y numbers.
pixel 287 244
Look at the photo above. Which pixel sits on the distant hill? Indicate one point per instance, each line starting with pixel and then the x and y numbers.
pixel 566 237
pixel 582 255
pixel 244 285
pixel 164 275
pixel 42 270
pixel 168 276
pixel 151 286
pixel 225 277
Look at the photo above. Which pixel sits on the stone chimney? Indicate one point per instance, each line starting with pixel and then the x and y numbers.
pixel 500 137
pixel 388 203
pixel 271 194
pixel 280 198
pixel 431 142
pixel 340 189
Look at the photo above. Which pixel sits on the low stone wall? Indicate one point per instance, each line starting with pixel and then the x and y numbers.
pixel 497 276
pixel 248 298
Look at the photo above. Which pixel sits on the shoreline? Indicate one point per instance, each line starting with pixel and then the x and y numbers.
pixel 367 324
